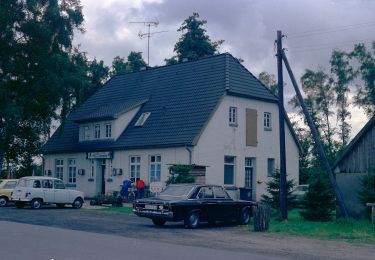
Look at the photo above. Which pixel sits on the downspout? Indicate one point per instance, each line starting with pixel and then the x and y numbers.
pixel 190 153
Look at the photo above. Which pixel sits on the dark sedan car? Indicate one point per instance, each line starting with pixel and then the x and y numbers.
pixel 193 204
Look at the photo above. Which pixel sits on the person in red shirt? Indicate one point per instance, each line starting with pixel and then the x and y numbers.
pixel 140 188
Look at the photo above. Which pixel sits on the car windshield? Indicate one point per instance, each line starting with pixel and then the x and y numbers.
pixel 23 182
pixel 176 191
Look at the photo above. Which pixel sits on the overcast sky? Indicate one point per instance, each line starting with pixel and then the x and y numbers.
pixel 313 28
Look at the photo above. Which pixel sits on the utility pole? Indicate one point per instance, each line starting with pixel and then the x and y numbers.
pixel 317 141
pixel 148 35
pixel 280 83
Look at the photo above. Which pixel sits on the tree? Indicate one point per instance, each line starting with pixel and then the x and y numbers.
pixel 343 75
pixel 319 201
pixel 194 43
pixel 134 63
pixel 365 96
pixel 273 190
pixel 367 192
pixel 269 81
pixel 35 45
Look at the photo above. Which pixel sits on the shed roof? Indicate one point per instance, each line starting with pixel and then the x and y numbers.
pixel 354 141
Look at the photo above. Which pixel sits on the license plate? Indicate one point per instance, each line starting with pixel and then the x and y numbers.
pixel 153 207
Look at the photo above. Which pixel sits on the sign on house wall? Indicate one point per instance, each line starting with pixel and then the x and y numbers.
pixel 100 155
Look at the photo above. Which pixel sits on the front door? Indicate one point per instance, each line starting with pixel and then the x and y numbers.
pixel 249 176
pixel 61 195
pixel 49 194
pixel 103 176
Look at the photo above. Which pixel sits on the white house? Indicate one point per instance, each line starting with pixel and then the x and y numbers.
pixel 210 112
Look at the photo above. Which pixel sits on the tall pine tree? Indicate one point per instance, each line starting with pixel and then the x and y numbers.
pixel 194 42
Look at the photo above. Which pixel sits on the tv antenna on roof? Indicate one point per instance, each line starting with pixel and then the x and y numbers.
pixel 148 35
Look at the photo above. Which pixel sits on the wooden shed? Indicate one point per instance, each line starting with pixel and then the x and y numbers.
pixel 356 161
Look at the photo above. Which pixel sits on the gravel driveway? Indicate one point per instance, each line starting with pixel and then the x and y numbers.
pixel 227 237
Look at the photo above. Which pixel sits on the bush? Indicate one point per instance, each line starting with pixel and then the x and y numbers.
pixel 273 189
pixel 180 174
pixel 319 201
pixel 367 193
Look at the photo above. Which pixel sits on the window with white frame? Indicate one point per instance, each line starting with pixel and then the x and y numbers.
pixel 267 121
pixel 135 168
pixel 155 168
pixel 72 171
pixel 108 130
pixel 59 168
pixel 233 116
pixel 97 131
pixel 270 167
pixel 229 170
pixel 249 172
pixel 86 132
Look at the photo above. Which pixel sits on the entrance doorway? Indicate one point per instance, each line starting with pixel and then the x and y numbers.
pixel 103 176
pixel 100 176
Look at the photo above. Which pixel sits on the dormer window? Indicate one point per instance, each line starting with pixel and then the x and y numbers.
pixel 142 119
pixel 108 130
pixel 86 133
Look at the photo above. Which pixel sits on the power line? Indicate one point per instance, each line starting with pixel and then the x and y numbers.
pixel 330 30
pixel 332 44
pixel 325 48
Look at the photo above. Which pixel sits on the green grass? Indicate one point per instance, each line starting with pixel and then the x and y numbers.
pixel 352 231
pixel 126 210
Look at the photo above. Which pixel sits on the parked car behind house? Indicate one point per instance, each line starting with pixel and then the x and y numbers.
pixel 300 191
pixel 6 188
pixel 36 191
pixel 193 203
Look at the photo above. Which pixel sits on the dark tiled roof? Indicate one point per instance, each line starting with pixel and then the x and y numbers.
pixel 180 97
pixel 110 111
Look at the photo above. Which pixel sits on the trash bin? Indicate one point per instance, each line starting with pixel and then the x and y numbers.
pixel 246 194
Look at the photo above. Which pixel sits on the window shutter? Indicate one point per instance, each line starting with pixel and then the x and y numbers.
pixel 251 127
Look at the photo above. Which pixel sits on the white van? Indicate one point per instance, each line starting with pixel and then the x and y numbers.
pixel 37 191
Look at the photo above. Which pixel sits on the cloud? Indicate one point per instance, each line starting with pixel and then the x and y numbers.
pixel 248 28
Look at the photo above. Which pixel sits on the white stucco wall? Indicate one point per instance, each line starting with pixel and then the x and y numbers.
pixel 219 139
pixel 120 160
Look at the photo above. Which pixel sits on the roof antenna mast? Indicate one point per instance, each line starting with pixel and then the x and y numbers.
pixel 148 35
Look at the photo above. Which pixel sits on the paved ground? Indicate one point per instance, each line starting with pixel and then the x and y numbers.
pixel 220 237
pixel 61 244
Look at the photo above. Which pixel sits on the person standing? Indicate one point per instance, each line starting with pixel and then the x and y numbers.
pixel 140 188
pixel 126 184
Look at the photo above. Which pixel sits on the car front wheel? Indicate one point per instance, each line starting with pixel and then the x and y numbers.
pixel 244 217
pixel 3 201
pixel 77 204
pixel 158 221
pixel 192 220
pixel 36 204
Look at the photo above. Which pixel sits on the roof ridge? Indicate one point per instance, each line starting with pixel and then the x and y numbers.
pixel 170 65
pixel 227 71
